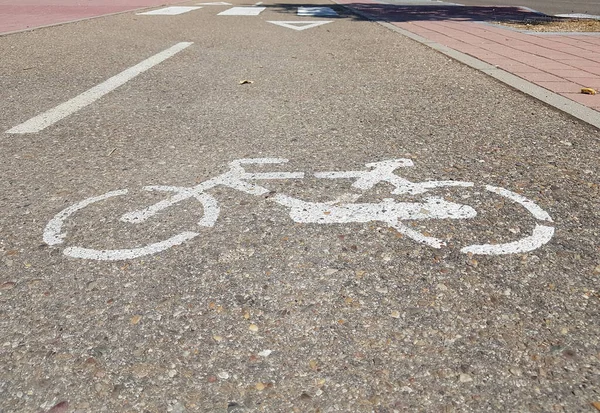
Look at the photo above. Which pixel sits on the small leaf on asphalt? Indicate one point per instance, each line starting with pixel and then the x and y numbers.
pixel 313 364
pixel 395 314
pixel 217 338
pixel 253 328
pixel 259 386
pixel 246 82
pixel 135 319
pixel 596 405
pixel 7 285
pixel 59 408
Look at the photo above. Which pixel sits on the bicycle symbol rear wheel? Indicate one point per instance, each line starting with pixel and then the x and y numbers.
pixel 54 234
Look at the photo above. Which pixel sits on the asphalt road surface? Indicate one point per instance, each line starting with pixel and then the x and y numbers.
pixel 157 254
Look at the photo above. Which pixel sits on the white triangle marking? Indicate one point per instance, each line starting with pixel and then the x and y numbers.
pixel 303 24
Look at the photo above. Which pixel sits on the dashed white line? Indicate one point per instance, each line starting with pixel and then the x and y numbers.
pixel 169 11
pixel 243 11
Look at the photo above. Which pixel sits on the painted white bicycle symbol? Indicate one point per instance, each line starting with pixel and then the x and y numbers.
pixel 344 210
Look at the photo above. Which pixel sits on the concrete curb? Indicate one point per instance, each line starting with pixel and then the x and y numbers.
pixel 561 103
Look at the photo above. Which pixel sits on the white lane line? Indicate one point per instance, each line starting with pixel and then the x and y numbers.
pixel 168 11
pixel 215 3
pixel 50 117
pixel 242 11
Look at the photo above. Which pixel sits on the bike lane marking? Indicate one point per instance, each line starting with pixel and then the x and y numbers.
pixel 243 11
pixel 169 11
pixel 299 25
pixel 50 117
pixel 317 12
pixel 342 210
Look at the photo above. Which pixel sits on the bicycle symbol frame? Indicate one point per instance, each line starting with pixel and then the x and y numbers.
pixel 341 211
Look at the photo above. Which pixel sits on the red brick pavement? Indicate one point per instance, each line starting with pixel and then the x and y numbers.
pixel 561 62
pixel 16 15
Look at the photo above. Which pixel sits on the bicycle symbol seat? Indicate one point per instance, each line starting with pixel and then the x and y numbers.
pixel 344 210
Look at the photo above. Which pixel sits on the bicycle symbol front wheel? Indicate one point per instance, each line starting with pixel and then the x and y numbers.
pixel 541 233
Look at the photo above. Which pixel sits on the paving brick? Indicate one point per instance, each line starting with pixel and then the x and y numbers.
pixel 592 101
pixel 21 15
pixel 569 73
pixel 538 77
pixel 558 62
pixel 511 65
pixel 561 87
pixel 593 82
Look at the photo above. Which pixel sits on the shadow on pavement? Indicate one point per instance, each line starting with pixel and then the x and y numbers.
pixel 433 12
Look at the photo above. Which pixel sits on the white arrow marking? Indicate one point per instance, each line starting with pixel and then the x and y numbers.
pixel 300 25
pixel 316 11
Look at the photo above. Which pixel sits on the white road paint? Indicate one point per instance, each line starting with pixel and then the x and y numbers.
pixel 130 253
pixel 317 11
pixel 215 3
pixel 169 11
pixel 540 236
pixel 388 211
pixel 300 25
pixel 50 117
pixel 529 205
pixel 417 236
pixel 52 232
pixel 384 172
pixel 242 11
pixel 343 210
pixel 579 16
